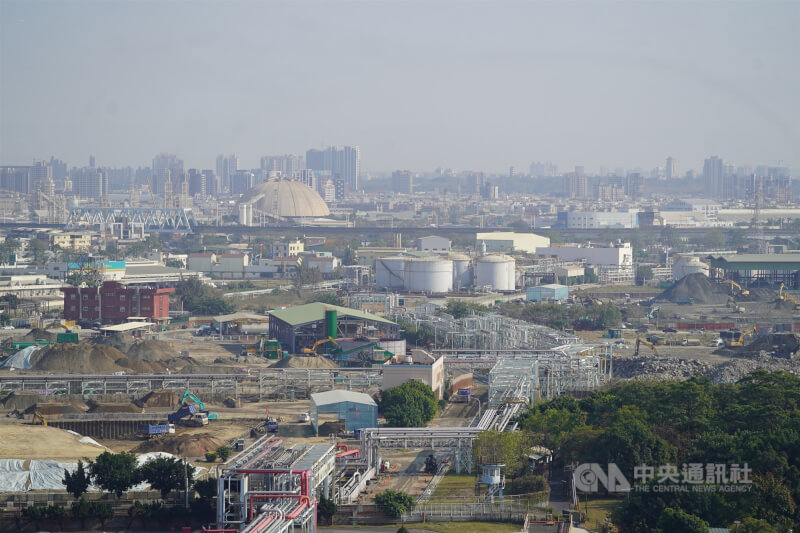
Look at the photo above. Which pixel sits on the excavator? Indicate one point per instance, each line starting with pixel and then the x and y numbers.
pixel 651 313
pixel 313 349
pixel 201 407
pixel 734 339
pixel 782 296
pixel 733 285
pixel 38 416
pixel 646 343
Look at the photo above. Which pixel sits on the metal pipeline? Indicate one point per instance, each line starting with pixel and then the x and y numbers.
pixel 303 502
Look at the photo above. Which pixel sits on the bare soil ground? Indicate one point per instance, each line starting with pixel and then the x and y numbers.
pixel 25 441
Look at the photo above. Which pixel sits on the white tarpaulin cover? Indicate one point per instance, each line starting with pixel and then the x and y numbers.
pixel 12 476
pixel 21 359
pixel 48 475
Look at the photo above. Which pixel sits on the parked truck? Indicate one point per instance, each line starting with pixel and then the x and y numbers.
pixel 272 426
pixel 152 431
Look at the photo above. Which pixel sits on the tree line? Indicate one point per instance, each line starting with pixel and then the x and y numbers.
pixel 755 421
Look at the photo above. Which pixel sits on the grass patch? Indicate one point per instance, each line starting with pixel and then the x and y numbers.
pixel 599 509
pixel 454 487
pixel 461 527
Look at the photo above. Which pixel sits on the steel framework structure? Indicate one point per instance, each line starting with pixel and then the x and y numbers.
pixel 128 384
pixel 155 220
pixel 301 382
pixel 272 488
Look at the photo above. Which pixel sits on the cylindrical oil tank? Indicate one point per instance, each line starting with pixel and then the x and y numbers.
pixel 429 274
pixel 390 273
pixel 497 271
pixel 684 265
pixel 462 271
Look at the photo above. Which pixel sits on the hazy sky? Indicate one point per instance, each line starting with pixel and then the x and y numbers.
pixel 468 85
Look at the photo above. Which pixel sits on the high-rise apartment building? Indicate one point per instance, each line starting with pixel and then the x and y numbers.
pixel 241 181
pixel 226 167
pixel 197 182
pixel 576 185
pixel 671 168
pixel 166 167
pixel 403 181
pixel 633 185
pixel 713 172
pixel 60 170
pixel 90 183
pixel 16 178
pixel 306 177
pixel 338 162
pixel 40 172
pixel 287 165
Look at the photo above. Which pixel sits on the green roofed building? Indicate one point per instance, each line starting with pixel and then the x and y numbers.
pixel 301 326
pixel 760 270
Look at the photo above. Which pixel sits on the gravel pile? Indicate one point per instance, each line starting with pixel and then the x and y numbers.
pixel 662 368
pixel 697 287
pixel 300 361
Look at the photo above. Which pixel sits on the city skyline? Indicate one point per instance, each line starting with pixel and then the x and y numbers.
pixel 481 87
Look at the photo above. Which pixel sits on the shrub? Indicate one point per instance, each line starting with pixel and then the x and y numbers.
pixel 211 457
pixel 396 502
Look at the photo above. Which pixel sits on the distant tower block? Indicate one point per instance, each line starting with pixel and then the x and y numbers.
pixel 494 480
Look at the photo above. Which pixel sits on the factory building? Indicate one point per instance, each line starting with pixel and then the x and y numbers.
pixel 113 303
pixel 420 366
pixel 547 293
pixel 508 241
pixel 301 326
pixel 760 270
pixel 356 409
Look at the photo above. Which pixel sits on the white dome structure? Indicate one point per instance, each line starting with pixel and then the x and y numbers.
pixel 285 199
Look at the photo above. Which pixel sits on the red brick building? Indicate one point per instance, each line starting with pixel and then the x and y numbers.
pixel 114 302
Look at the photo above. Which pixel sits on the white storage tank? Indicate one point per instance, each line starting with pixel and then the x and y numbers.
pixel 497 271
pixel 462 271
pixel 429 274
pixel 390 273
pixel 684 265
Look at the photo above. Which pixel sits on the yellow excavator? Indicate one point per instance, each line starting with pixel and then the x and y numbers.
pixel 38 416
pixel 733 285
pixel 646 343
pixel 317 344
pixel 782 296
pixel 734 339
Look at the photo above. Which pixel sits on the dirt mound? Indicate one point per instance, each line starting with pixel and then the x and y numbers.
pixel 230 403
pixel 299 361
pixel 80 358
pixel 758 295
pixel 185 445
pixel 115 408
pixel 697 287
pixel 139 349
pixel 20 400
pixel 159 398
pixel 48 409
pixel 785 345
pixel 38 333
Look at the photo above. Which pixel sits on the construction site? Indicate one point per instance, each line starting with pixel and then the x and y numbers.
pixel 187 393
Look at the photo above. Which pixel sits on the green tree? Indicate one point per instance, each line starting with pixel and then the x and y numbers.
pixel 166 474
pixel 57 513
pixel 396 502
pixel 174 263
pixel 508 448
pixel 643 274
pixel 305 276
pixel 349 257
pixel 201 299
pixel 77 483
pixel 753 525
pixel 34 513
pixel 412 404
pixel 38 249
pixel 325 510
pixel 681 522
pixel 224 452
pixel 327 298
pixel 114 472
pixel 714 239
pixel 206 488
pixel 211 457
pixel 457 309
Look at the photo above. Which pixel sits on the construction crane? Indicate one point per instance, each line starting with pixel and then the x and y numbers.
pixel 734 339
pixel 651 314
pixel 646 343
pixel 38 416
pixel 317 344
pixel 733 285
